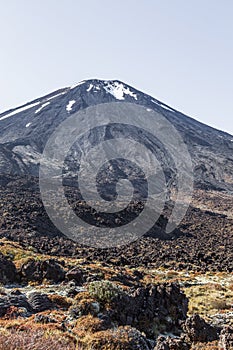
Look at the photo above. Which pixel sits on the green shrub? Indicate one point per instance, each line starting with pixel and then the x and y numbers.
pixel 104 291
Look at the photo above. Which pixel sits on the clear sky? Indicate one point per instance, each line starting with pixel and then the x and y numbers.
pixel 179 51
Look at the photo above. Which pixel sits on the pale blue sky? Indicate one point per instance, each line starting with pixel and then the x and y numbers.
pixel 179 51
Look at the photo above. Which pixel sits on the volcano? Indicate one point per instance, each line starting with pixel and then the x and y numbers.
pixel 205 234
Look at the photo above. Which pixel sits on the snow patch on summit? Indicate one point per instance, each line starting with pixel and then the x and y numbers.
pixel 21 109
pixel 119 90
pixel 90 87
pixel 80 83
pixel 70 105
pixel 54 96
pixel 44 105
pixel 162 105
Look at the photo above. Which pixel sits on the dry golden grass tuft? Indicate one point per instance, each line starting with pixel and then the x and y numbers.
pixel 123 338
pixel 83 299
pixel 209 299
pixel 60 301
pixel 88 324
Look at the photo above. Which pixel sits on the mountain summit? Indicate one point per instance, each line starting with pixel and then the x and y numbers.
pixel 25 130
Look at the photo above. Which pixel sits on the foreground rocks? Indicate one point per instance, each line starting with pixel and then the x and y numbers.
pixel 139 315
pixel 107 316
pixel 102 304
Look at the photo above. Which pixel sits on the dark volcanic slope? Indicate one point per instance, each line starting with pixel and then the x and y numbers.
pixel 204 239
pixel 25 130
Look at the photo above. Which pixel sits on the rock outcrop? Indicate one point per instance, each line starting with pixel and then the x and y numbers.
pixel 196 329
pixel 38 271
pixel 152 309
pixel 8 272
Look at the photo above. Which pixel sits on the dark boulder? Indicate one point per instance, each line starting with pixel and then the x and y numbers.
pixel 19 301
pixel 76 275
pixel 8 272
pixel 40 302
pixel 196 329
pixel 37 271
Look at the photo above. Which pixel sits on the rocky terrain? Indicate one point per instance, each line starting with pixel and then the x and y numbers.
pixel 203 241
pixel 79 304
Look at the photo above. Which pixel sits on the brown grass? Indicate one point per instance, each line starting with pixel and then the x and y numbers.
pixel 33 340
